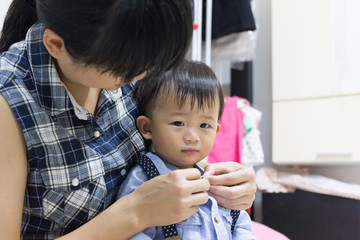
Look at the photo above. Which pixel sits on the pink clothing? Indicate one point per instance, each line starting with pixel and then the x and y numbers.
pixel 229 140
pixel 263 232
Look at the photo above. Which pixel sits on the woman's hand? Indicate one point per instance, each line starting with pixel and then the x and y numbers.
pixel 171 198
pixel 164 200
pixel 232 185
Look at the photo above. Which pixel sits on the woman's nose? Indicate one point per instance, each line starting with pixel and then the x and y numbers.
pixel 140 76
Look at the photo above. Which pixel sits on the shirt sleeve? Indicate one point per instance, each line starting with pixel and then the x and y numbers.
pixel 243 228
pixel 135 178
pixel 148 234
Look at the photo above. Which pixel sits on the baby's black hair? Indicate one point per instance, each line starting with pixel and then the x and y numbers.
pixel 190 81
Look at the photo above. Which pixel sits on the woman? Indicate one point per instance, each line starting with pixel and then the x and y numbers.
pixel 68 136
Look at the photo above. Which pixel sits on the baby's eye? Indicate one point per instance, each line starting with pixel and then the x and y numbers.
pixel 178 123
pixel 204 125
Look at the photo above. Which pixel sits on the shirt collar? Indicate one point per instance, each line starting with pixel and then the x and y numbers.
pixel 53 96
pixel 166 167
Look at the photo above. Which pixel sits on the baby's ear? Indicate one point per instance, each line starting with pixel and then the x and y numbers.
pixel 144 125
pixel 218 127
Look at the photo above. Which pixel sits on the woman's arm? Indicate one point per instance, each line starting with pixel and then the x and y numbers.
pixel 161 201
pixel 164 200
pixel 232 185
pixel 13 173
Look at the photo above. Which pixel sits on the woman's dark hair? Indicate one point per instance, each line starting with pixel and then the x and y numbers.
pixel 189 81
pixel 122 37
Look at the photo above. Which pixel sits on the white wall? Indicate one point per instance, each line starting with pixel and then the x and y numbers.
pixel 262 74
pixel 262 98
pixel 263 101
pixel 4 5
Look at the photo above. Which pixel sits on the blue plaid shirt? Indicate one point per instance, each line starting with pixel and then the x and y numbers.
pixel 76 162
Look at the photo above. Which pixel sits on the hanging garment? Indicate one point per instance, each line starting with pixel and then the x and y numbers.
pixel 229 140
pixel 252 152
pixel 229 16
pixel 234 47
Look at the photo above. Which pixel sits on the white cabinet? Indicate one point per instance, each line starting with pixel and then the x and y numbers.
pixel 302 49
pixel 317 131
pixel 314 120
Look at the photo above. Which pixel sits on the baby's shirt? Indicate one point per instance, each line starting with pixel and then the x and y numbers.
pixel 210 222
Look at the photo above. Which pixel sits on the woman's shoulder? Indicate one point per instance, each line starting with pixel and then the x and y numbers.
pixel 16 81
pixel 21 57
pixel 9 124
pixel 14 63
pixel 16 78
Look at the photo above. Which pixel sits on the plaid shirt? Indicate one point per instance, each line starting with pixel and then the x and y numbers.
pixel 76 162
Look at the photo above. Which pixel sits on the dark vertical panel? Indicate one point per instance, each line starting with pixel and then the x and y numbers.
pixel 242 82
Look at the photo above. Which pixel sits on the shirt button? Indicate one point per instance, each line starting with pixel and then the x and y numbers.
pixel 217 220
pixel 96 134
pixel 75 182
pixel 123 172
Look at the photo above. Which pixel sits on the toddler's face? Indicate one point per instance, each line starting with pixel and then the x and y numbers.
pixel 183 136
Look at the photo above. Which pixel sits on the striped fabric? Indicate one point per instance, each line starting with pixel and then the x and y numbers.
pixel 76 162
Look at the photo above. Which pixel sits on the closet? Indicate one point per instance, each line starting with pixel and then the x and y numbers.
pixel 316 82
pixel 225 38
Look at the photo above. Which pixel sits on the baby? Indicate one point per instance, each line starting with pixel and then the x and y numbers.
pixel 179 113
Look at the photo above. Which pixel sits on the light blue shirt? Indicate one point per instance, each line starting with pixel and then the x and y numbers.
pixel 210 222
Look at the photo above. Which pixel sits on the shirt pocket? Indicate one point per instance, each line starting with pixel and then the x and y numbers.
pixel 190 228
pixel 73 193
pixel 226 216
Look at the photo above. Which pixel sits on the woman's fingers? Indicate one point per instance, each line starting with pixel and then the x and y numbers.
pixel 238 197
pixel 189 181
pixel 236 177
pixel 221 168
pixel 237 204
pixel 200 185
pixel 232 185
pixel 172 197
pixel 189 174
pixel 199 198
